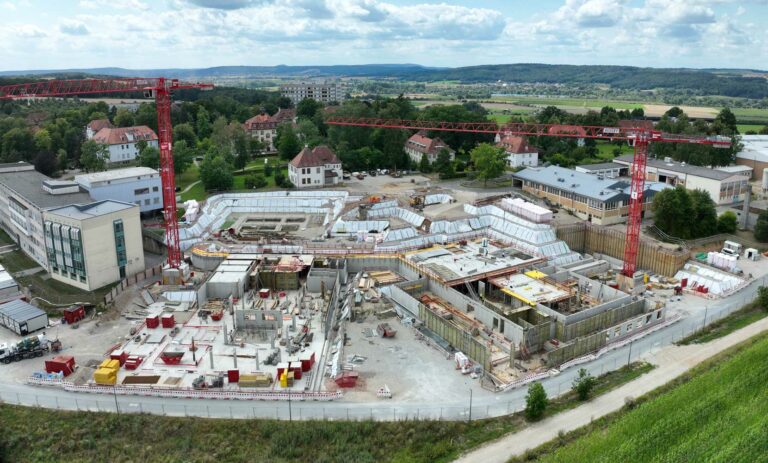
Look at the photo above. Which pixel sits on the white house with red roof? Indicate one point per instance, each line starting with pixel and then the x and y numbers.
pixel 519 152
pixel 121 141
pixel 263 127
pixel 315 168
pixel 420 144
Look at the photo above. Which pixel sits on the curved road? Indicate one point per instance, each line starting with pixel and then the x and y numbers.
pixel 490 406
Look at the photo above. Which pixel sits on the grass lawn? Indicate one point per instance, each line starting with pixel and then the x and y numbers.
pixel 196 192
pixel 42 285
pixel 188 177
pixel 4 238
pixel 717 412
pixel 751 115
pixel 38 435
pixel 748 314
pixel 605 150
pixel 743 128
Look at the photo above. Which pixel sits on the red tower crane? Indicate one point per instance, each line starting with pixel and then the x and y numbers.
pixel 637 136
pixel 158 87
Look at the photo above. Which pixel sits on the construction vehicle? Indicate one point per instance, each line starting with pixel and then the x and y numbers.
pixel 27 348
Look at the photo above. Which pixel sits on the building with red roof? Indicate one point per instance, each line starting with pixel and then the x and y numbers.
pixel 121 141
pixel 420 144
pixel 95 125
pixel 315 168
pixel 519 152
pixel 263 127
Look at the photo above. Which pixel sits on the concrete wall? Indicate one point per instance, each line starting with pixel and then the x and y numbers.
pixel 587 238
pixel 258 319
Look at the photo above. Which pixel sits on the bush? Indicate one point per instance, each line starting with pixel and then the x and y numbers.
pixel 536 401
pixel 727 222
pixel 583 384
pixel 254 182
pixel 761 227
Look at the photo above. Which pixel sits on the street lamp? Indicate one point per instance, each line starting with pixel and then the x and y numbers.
pixel 629 357
pixel 114 394
pixel 470 404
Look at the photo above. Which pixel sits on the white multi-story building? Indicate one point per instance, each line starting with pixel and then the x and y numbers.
pixel 122 141
pixel 519 152
pixel 24 195
pixel 136 185
pixel 263 127
pixel 419 144
pixel 315 168
pixel 723 187
pixel 324 92
pixel 92 245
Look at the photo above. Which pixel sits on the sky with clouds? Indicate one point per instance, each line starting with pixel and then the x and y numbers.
pixel 59 34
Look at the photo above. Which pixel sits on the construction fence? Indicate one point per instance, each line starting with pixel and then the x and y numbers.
pixel 151 272
pixel 587 238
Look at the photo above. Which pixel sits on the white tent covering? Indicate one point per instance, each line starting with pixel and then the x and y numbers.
pixel 527 210
pixel 440 198
pixel 218 207
pixel 342 227
pixel 401 234
pixel 404 214
pixel 191 209
pixel 717 282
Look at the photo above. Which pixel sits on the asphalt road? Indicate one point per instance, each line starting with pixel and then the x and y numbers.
pixel 384 409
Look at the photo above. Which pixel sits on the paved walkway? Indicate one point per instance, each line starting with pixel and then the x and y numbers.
pixel 29 271
pixel 672 361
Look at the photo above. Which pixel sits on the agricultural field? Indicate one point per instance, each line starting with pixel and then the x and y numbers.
pixel 718 413
pixel 588 103
pixel 744 128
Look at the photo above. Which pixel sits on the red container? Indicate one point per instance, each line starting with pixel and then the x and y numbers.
pixel 684 282
pixel 296 369
pixel 171 357
pixel 60 364
pixel 307 361
pixel 217 315
pixel 233 376
pixel 133 362
pixel 264 293
pixel 74 314
pixel 168 320
pixel 153 322
pixel 347 379
pixel 119 355
pixel 281 367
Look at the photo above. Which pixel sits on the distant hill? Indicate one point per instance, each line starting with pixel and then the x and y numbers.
pixel 355 70
pixel 724 82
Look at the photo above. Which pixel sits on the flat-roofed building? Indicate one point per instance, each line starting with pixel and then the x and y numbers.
pixel 137 185
pixel 599 200
pixel 93 245
pixel 723 187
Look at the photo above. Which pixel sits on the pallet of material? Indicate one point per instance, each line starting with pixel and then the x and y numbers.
pixel 172 381
pixel 256 380
pixel 141 379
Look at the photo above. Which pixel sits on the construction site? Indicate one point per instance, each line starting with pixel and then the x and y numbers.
pixel 410 292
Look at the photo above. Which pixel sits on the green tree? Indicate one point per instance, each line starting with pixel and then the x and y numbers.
pixel 182 156
pixel 761 227
pixel 186 133
pixel 704 221
pixel 45 162
pixel 424 165
pixel 583 384
pixel 17 145
pixel 254 182
pixel 308 133
pixel 288 144
pixel 267 170
pixel 149 157
pixel 536 401
pixel 216 173
pixel 672 212
pixel 221 135
pixel 240 146
pixel 762 297
pixel 203 123
pixel 146 114
pixel 727 222
pixel 307 108
pixel 62 160
pixel 94 156
pixel 444 165
pixel 43 141
pixel 489 161
pixel 727 119
pixel 124 118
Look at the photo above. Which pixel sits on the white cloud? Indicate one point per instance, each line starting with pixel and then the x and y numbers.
pixel 73 28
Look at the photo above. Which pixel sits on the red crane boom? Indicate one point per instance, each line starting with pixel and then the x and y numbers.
pixel 639 137
pixel 158 87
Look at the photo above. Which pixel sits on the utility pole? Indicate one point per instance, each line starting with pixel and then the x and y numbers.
pixel 470 404
pixel 114 394
pixel 629 356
